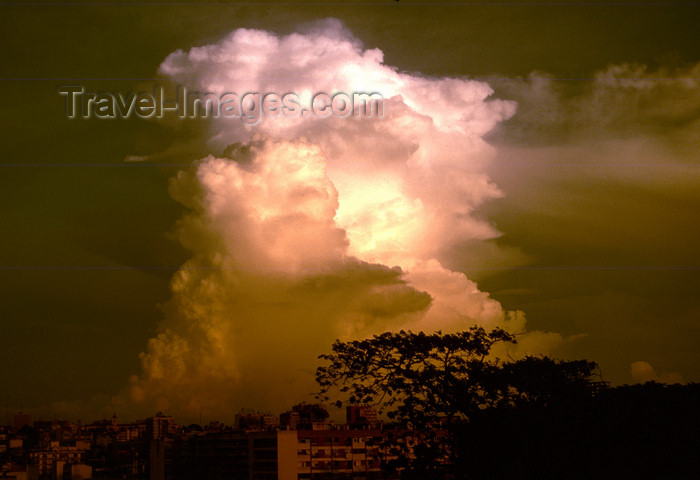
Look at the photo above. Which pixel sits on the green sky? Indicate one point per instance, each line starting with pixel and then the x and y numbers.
pixel 599 220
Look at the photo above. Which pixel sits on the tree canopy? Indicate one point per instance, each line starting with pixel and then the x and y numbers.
pixel 473 415
pixel 415 376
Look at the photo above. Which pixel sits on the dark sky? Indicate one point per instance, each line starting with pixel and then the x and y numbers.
pixel 599 220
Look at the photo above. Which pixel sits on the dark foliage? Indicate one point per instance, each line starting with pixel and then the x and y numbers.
pixel 438 385
pixel 475 417
pixel 416 377
pixel 649 431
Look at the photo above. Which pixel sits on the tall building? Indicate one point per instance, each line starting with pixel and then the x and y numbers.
pixel 158 427
pixel 339 453
pixel 358 415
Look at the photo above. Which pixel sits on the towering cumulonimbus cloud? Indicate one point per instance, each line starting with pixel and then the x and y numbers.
pixel 304 230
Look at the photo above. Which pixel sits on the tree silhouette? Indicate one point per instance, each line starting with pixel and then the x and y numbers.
pixel 415 377
pixel 434 384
